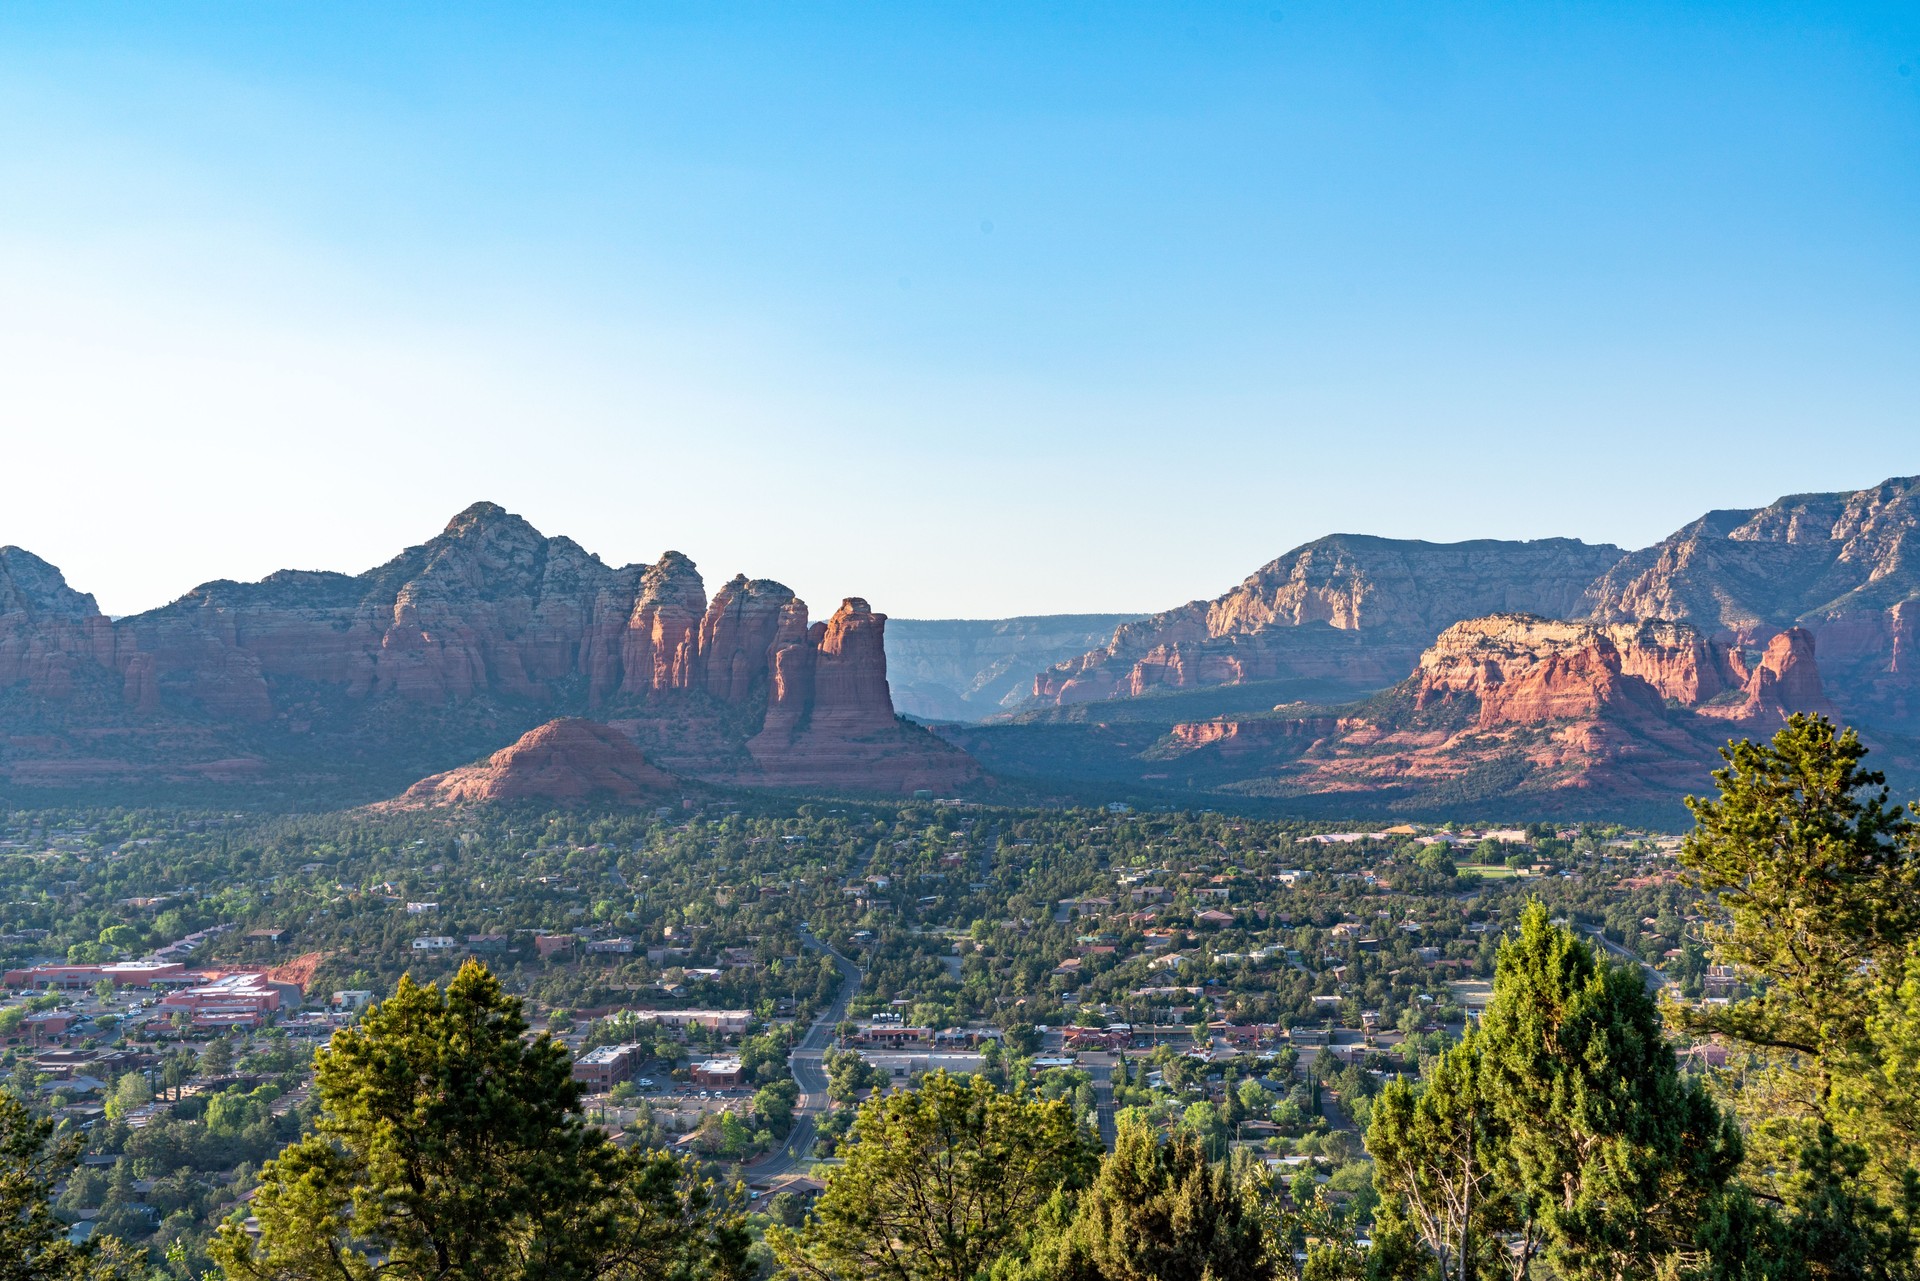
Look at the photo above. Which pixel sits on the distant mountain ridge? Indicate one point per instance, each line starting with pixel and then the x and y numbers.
pixel 1353 672
pixel 444 652
pixel 1359 610
pixel 962 669
pixel 1399 676
pixel 1349 608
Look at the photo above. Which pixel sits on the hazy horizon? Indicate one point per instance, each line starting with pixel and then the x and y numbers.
pixel 975 312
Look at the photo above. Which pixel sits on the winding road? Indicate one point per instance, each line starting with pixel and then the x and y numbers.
pixel 809 1073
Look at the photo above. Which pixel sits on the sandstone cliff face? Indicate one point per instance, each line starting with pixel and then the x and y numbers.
pixel 49 633
pixel 1841 566
pixel 1625 711
pixel 563 760
pixel 1597 715
pixel 831 713
pixel 482 629
pixel 1245 737
pixel 1786 680
pixel 1386 598
pixel 1522 670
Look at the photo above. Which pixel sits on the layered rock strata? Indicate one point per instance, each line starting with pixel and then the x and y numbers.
pixel 487 628
pixel 1624 711
pixel 1348 608
pixel 1843 567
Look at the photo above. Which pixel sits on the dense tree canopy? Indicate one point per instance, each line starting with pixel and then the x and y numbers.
pixel 450 1147
pixel 1814 881
pixel 938 1183
pixel 33 1243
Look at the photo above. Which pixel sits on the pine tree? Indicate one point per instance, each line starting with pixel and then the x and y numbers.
pixel 1814 880
pixel 451 1147
pixel 1162 1212
pixel 1435 1150
pixel 1611 1154
pixel 938 1184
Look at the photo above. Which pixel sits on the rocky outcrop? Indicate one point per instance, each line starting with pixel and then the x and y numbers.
pixel 563 760
pixel 482 630
pixel 850 671
pixel 831 715
pixel 1519 705
pixel 1786 680
pixel 1516 669
pixel 1844 567
pixel 738 633
pixel 49 634
pixel 661 649
pixel 1348 608
pixel 1241 737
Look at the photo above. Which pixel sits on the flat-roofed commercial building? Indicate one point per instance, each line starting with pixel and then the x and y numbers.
pixel 605 1066
pixel 119 973
pixel 233 1000
pixel 721 1072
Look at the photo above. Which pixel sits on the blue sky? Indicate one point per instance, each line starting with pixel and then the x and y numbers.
pixel 970 309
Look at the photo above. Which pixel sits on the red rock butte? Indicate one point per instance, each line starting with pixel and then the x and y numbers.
pixel 564 760
pixel 483 631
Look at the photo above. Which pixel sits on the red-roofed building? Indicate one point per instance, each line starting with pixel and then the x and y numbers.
pixel 242 999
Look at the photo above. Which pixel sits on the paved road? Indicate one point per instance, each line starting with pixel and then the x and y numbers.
pixel 1102 1074
pixel 809 1074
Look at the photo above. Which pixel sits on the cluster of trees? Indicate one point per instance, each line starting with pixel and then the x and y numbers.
pixel 451 1145
pixel 1560 1136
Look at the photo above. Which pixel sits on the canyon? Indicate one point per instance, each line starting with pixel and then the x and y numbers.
pixel 965 669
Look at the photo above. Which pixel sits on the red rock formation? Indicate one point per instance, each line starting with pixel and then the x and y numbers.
pixel 850 672
pixel 738 633
pixel 1246 737
pixel 1348 609
pixel 478 626
pixel 563 760
pixel 663 634
pixel 1629 711
pixel 1841 566
pixel 830 719
pixel 1522 670
pixel 1786 680
pixel 49 633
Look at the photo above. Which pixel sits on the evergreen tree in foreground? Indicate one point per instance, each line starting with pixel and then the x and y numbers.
pixel 939 1183
pixel 33 1243
pixel 450 1147
pixel 1815 883
pixel 1562 1129
pixel 1610 1152
pixel 1160 1212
